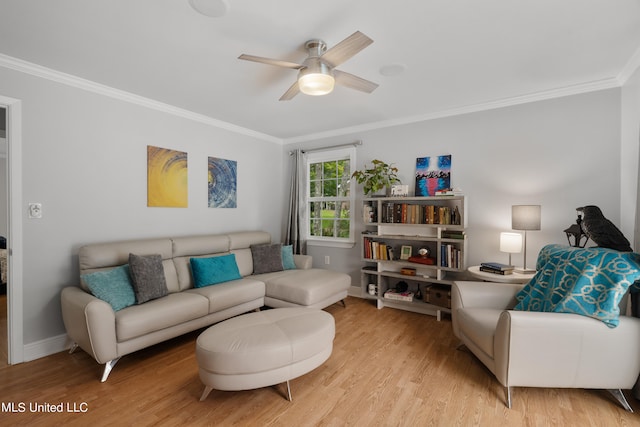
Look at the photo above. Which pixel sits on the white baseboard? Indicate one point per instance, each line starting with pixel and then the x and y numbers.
pixel 46 347
pixel 354 291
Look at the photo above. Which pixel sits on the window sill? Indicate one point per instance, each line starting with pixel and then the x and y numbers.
pixel 332 244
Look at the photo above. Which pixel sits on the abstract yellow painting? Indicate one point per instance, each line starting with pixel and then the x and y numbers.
pixel 167 184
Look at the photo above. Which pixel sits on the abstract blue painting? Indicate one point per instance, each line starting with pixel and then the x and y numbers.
pixel 223 183
pixel 432 174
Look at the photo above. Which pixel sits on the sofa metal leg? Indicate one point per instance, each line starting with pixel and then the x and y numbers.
pixel 289 392
pixel 73 348
pixel 344 303
pixel 205 393
pixel 507 392
pixel 462 347
pixel 617 393
pixel 108 367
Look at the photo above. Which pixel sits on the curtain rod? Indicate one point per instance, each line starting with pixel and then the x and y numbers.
pixel 355 144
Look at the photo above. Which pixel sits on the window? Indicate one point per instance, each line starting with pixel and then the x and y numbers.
pixel 330 201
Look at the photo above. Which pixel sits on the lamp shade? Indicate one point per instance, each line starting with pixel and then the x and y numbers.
pixel 525 217
pixel 511 242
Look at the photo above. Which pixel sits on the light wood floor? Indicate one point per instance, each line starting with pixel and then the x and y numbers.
pixel 388 367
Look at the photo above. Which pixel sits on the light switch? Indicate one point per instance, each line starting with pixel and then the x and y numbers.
pixel 35 210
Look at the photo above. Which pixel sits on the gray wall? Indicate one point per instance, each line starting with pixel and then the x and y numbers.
pixel 560 153
pixel 84 159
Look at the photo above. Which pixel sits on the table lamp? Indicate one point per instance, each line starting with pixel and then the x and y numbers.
pixel 510 243
pixel 525 218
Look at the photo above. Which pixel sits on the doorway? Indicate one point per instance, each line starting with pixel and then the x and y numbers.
pixel 4 224
pixel 14 312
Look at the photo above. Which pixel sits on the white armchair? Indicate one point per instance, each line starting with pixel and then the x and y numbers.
pixel 541 349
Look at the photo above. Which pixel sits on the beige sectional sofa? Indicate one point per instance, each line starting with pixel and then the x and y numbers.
pixel 107 334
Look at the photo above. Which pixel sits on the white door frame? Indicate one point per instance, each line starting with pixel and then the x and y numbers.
pixel 14 238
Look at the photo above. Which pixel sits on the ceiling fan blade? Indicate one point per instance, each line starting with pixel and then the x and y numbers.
pixel 346 49
pixel 354 82
pixel 276 62
pixel 291 92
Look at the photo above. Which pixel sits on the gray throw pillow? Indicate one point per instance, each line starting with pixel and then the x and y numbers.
pixel 267 258
pixel 147 277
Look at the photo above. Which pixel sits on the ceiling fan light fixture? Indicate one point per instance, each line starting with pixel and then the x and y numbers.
pixel 316 84
pixel 316 78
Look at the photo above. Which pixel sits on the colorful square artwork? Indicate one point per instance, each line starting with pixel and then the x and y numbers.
pixel 222 183
pixel 167 184
pixel 432 174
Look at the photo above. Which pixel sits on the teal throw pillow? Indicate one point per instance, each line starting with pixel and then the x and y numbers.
pixel 287 257
pixel 586 281
pixel 214 270
pixel 112 286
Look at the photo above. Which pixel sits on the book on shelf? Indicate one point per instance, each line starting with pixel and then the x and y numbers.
pixel 449 192
pixel 493 271
pixel 452 234
pixel 399 296
pixel 497 266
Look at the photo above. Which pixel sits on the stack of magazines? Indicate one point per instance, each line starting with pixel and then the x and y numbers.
pixel 398 296
pixel 496 268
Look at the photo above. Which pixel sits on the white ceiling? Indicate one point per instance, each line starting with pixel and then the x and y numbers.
pixel 459 54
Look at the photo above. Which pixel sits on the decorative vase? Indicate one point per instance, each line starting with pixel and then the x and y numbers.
pixel 383 192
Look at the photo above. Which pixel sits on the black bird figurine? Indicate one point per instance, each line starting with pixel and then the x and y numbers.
pixel 602 231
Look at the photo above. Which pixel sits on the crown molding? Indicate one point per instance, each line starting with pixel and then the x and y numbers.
pixel 485 106
pixel 90 86
pixel 84 84
pixel 630 67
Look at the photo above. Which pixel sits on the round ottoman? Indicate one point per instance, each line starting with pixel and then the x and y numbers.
pixel 264 348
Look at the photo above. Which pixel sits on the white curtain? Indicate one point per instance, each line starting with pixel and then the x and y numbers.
pixel 295 226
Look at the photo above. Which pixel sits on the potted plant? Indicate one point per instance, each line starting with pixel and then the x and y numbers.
pixel 380 176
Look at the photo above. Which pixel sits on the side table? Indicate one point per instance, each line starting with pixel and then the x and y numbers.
pixel 507 278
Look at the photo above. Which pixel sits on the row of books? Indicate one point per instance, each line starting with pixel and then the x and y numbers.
pixel 496 268
pixel 407 213
pixel 374 249
pixel 450 256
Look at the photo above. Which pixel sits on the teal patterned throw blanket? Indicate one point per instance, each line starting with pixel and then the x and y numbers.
pixel 586 281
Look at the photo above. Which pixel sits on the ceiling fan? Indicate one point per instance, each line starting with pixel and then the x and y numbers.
pixel 317 74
